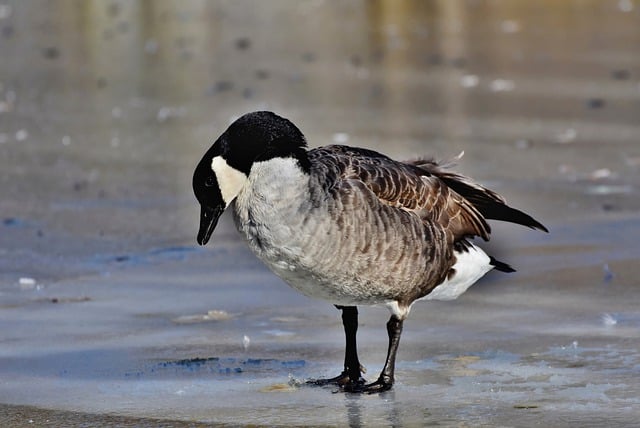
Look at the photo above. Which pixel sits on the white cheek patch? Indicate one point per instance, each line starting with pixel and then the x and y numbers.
pixel 229 179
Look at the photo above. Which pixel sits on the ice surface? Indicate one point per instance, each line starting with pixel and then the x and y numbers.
pixel 111 315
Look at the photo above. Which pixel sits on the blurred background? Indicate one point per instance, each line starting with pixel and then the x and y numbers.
pixel 106 107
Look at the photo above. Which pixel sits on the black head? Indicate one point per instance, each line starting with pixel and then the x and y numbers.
pixel 260 136
pixel 221 173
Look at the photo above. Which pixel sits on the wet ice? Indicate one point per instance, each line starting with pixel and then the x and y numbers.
pixel 108 306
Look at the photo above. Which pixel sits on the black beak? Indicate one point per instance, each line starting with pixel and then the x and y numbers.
pixel 208 221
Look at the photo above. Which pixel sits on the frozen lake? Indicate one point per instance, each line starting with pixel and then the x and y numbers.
pixel 110 314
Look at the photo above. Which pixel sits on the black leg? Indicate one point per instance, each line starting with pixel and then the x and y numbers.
pixel 352 367
pixel 385 381
pixel 351 375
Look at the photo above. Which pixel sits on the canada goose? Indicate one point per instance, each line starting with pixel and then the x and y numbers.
pixel 350 225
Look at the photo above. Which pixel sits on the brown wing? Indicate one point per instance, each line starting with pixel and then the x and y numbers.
pixel 490 205
pixel 408 187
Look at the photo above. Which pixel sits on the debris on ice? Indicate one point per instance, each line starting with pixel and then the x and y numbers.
pixel 502 85
pixel 27 283
pixel 469 81
pixel 567 136
pixel 22 135
pixel 608 320
pixel 246 342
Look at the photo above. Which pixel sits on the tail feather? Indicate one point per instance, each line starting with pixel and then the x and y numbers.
pixel 499 211
pixel 500 266
pixel 491 205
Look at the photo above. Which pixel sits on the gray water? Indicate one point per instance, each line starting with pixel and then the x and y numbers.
pixel 111 315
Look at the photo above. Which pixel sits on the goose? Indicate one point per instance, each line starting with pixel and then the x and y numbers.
pixel 350 225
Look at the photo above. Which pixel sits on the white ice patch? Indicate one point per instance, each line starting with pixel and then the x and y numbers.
pixel 229 179
pixel 470 266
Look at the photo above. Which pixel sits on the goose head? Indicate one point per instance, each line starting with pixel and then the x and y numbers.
pixel 224 169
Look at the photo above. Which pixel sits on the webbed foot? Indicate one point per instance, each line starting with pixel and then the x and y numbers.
pixel 342 380
pixel 380 385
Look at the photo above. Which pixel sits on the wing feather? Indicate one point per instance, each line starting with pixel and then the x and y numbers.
pixel 491 205
pixel 408 187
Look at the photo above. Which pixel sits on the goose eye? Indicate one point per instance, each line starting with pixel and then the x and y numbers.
pixel 210 181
